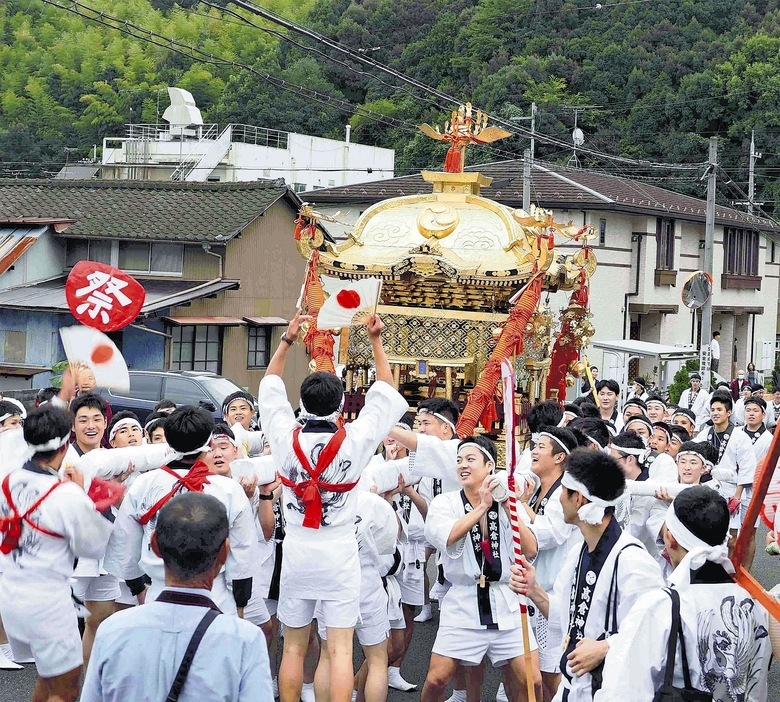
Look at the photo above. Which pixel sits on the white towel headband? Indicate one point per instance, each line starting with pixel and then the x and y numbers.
pixel 556 440
pixel 708 464
pixel 699 551
pixel 226 437
pixel 305 415
pixel 441 417
pixel 51 445
pixel 477 446
pixel 124 422
pixel 593 512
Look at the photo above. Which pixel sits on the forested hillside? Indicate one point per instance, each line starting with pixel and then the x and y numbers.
pixel 664 75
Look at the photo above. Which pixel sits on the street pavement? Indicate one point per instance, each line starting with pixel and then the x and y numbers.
pixel 17 686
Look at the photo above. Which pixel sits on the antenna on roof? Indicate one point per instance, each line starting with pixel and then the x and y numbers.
pixel 578 137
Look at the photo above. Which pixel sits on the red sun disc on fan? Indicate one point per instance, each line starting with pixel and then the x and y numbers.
pixel 348 299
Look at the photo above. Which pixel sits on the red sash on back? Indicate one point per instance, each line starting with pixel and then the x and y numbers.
pixel 12 526
pixel 310 491
pixel 193 480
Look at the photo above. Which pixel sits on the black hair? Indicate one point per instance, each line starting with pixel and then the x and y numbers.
pixel 756 401
pixel 483 442
pixel 222 428
pixel 45 395
pixel 408 419
pixel 592 427
pixel 722 384
pixel 44 424
pixel 241 395
pixel 547 413
pixel 680 432
pixel 655 398
pixel 124 414
pixel 9 408
pixel 321 393
pixel 572 409
pixel 628 439
pixel 594 367
pixel 757 387
pixel 156 415
pixel 724 398
pixel 191 529
pixel 599 473
pixel 688 413
pixel 635 401
pixel 153 425
pixel 641 382
pixel 664 426
pixel 91 401
pixel 609 384
pixel 563 435
pixel 164 404
pixel 440 405
pixel 188 428
pixel 705 449
pixel 704 513
pixel 588 407
pixel 640 418
pixel 716 333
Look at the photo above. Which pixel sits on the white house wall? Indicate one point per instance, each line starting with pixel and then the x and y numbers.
pixel 44 259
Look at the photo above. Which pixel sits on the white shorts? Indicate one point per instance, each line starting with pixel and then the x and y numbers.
pixel 103 588
pixel 549 651
pixel 46 629
pixel 297 613
pixel 255 611
pixel 373 627
pixel 398 624
pixel 411 580
pixel 271 606
pixel 126 597
pixel 471 645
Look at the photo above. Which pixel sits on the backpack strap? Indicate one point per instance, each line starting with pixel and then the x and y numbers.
pixel 610 618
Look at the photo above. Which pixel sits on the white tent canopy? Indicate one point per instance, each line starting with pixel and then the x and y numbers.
pixel 621 352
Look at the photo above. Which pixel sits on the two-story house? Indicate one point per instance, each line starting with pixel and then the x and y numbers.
pixel 218 262
pixel 649 240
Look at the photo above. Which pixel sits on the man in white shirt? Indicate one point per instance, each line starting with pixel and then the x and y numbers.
pixel 319 465
pixel 608 392
pixel 724 629
pixel 48 524
pixel 697 400
pixel 139 653
pixel 599 582
pixel 715 351
pixel 773 409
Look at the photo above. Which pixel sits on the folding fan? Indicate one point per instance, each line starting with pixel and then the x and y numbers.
pixel 89 347
pixel 350 302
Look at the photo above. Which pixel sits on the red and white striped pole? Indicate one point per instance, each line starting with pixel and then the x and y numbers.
pixel 508 381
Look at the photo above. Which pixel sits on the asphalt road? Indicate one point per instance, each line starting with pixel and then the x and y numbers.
pixel 17 686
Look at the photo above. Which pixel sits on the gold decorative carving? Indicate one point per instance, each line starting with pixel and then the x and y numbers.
pixel 437 221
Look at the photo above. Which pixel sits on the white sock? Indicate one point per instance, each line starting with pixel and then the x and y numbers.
pixel 307 693
pixel 457 696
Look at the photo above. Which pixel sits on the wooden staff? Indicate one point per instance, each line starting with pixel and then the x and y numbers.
pixel 508 378
pixel 589 376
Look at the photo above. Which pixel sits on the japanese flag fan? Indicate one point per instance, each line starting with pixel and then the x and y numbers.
pixel 349 302
pixel 92 348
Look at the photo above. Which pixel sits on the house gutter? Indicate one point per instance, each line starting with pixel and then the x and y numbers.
pixel 637 236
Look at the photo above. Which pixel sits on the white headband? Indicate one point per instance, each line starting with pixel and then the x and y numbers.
pixel 664 430
pixel 642 420
pixel 124 422
pixel 3 417
pixel 699 551
pixel 148 424
pixel 305 415
pixel 51 445
pixel 556 440
pixel 593 512
pixel 203 449
pixel 403 425
pixel 656 402
pixel 227 437
pixel 562 423
pixel 707 463
pixel 477 446
pixel 14 401
pixel 441 417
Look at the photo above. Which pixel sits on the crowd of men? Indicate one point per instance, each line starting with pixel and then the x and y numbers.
pixel 164 559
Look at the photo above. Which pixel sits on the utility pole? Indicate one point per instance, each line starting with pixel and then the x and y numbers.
pixel 751 177
pixel 527 179
pixel 709 245
pixel 532 119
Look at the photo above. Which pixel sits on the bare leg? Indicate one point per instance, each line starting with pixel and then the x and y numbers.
pixel 750 552
pixel 64 687
pixel 376 675
pixel 550 684
pixel 312 656
pixel 515 678
pixel 407 636
pixel 440 672
pixel 359 685
pixel 341 672
pixel 473 677
pixel 296 642
pixel 322 676
pixel 98 613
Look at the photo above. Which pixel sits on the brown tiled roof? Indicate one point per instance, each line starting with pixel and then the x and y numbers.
pixel 147 210
pixel 553 186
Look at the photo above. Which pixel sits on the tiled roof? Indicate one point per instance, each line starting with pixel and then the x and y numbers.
pixel 146 210
pixel 553 186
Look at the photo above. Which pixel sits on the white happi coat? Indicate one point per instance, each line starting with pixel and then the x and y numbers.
pixel 323 563
pixel 459 608
pixel 762 444
pixel 701 405
pixel 637 574
pixel 36 574
pixel 376 526
pixel 438 459
pixel 737 466
pixel 726 642
pixel 413 547
pixel 662 469
pixel 129 554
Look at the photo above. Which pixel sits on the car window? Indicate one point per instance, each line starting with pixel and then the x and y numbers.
pixel 143 387
pixel 183 391
pixel 219 388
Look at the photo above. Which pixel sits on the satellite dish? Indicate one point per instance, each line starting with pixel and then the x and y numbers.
pixel 578 137
pixel 696 290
